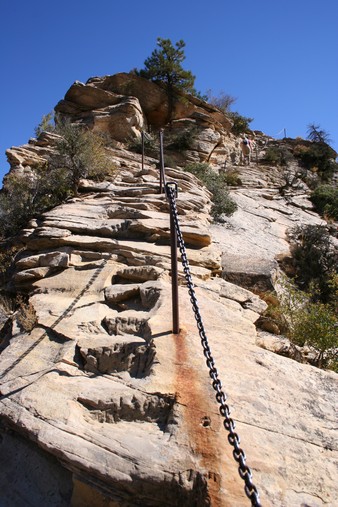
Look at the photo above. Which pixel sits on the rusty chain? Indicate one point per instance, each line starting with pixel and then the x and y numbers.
pixel 229 424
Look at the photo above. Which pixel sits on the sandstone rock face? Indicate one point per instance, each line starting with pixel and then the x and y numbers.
pixel 105 404
pixel 124 406
pixel 254 238
pixel 154 102
pixel 123 105
pixel 23 159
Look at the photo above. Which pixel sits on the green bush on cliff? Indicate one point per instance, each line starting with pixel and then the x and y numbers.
pixel 24 197
pixel 277 155
pixel 318 157
pixel 151 145
pixel 325 199
pixel 315 260
pixel 182 140
pixel 310 323
pixel 222 204
pixel 78 153
pixel 240 123
pixel 81 153
pixel 47 124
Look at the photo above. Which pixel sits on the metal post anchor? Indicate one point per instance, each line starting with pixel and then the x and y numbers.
pixel 174 269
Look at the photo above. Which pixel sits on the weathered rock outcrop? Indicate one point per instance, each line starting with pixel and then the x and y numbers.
pixel 104 403
pixel 124 104
pixel 23 159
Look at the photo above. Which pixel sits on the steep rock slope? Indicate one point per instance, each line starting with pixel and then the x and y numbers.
pixel 102 384
pixel 107 406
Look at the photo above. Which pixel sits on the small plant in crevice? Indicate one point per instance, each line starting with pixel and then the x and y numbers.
pixel 232 178
pixel 222 203
pixel 272 319
pixel 26 314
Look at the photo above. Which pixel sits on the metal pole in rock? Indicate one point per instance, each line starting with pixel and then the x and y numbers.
pixel 174 269
pixel 174 277
pixel 142 134
pixel 161 163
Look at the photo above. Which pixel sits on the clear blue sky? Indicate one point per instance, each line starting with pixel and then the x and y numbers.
pixel 280 59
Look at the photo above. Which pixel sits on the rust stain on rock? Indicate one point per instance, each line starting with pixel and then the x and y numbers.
pixel 197 419
pixel 204 428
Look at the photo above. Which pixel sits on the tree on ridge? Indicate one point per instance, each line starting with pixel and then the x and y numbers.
pixel 165 66
pixel 316 134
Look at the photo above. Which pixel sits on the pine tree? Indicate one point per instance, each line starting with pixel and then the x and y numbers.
pixel 165 66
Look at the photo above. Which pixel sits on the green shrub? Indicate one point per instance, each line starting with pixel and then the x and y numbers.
pixel 325 199
pixel 232 178
pixel 240 123
pixel 77 154
pixel 317 325
pixel 81 153
pixel 7 255
pixel 24 197
pixel 199 169
pixel 182 140
pixel 46 124
pixel 319 157
pixel 277 155
pixel 315 259
pixel 222 204
pixel 312 324
pixel 272 156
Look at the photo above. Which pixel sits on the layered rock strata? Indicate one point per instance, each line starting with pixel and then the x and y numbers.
pixel 124 406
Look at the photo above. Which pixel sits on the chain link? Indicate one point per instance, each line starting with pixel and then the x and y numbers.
pixel 228 423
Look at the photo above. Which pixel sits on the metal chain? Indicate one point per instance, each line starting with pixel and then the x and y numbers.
pixel 229 424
